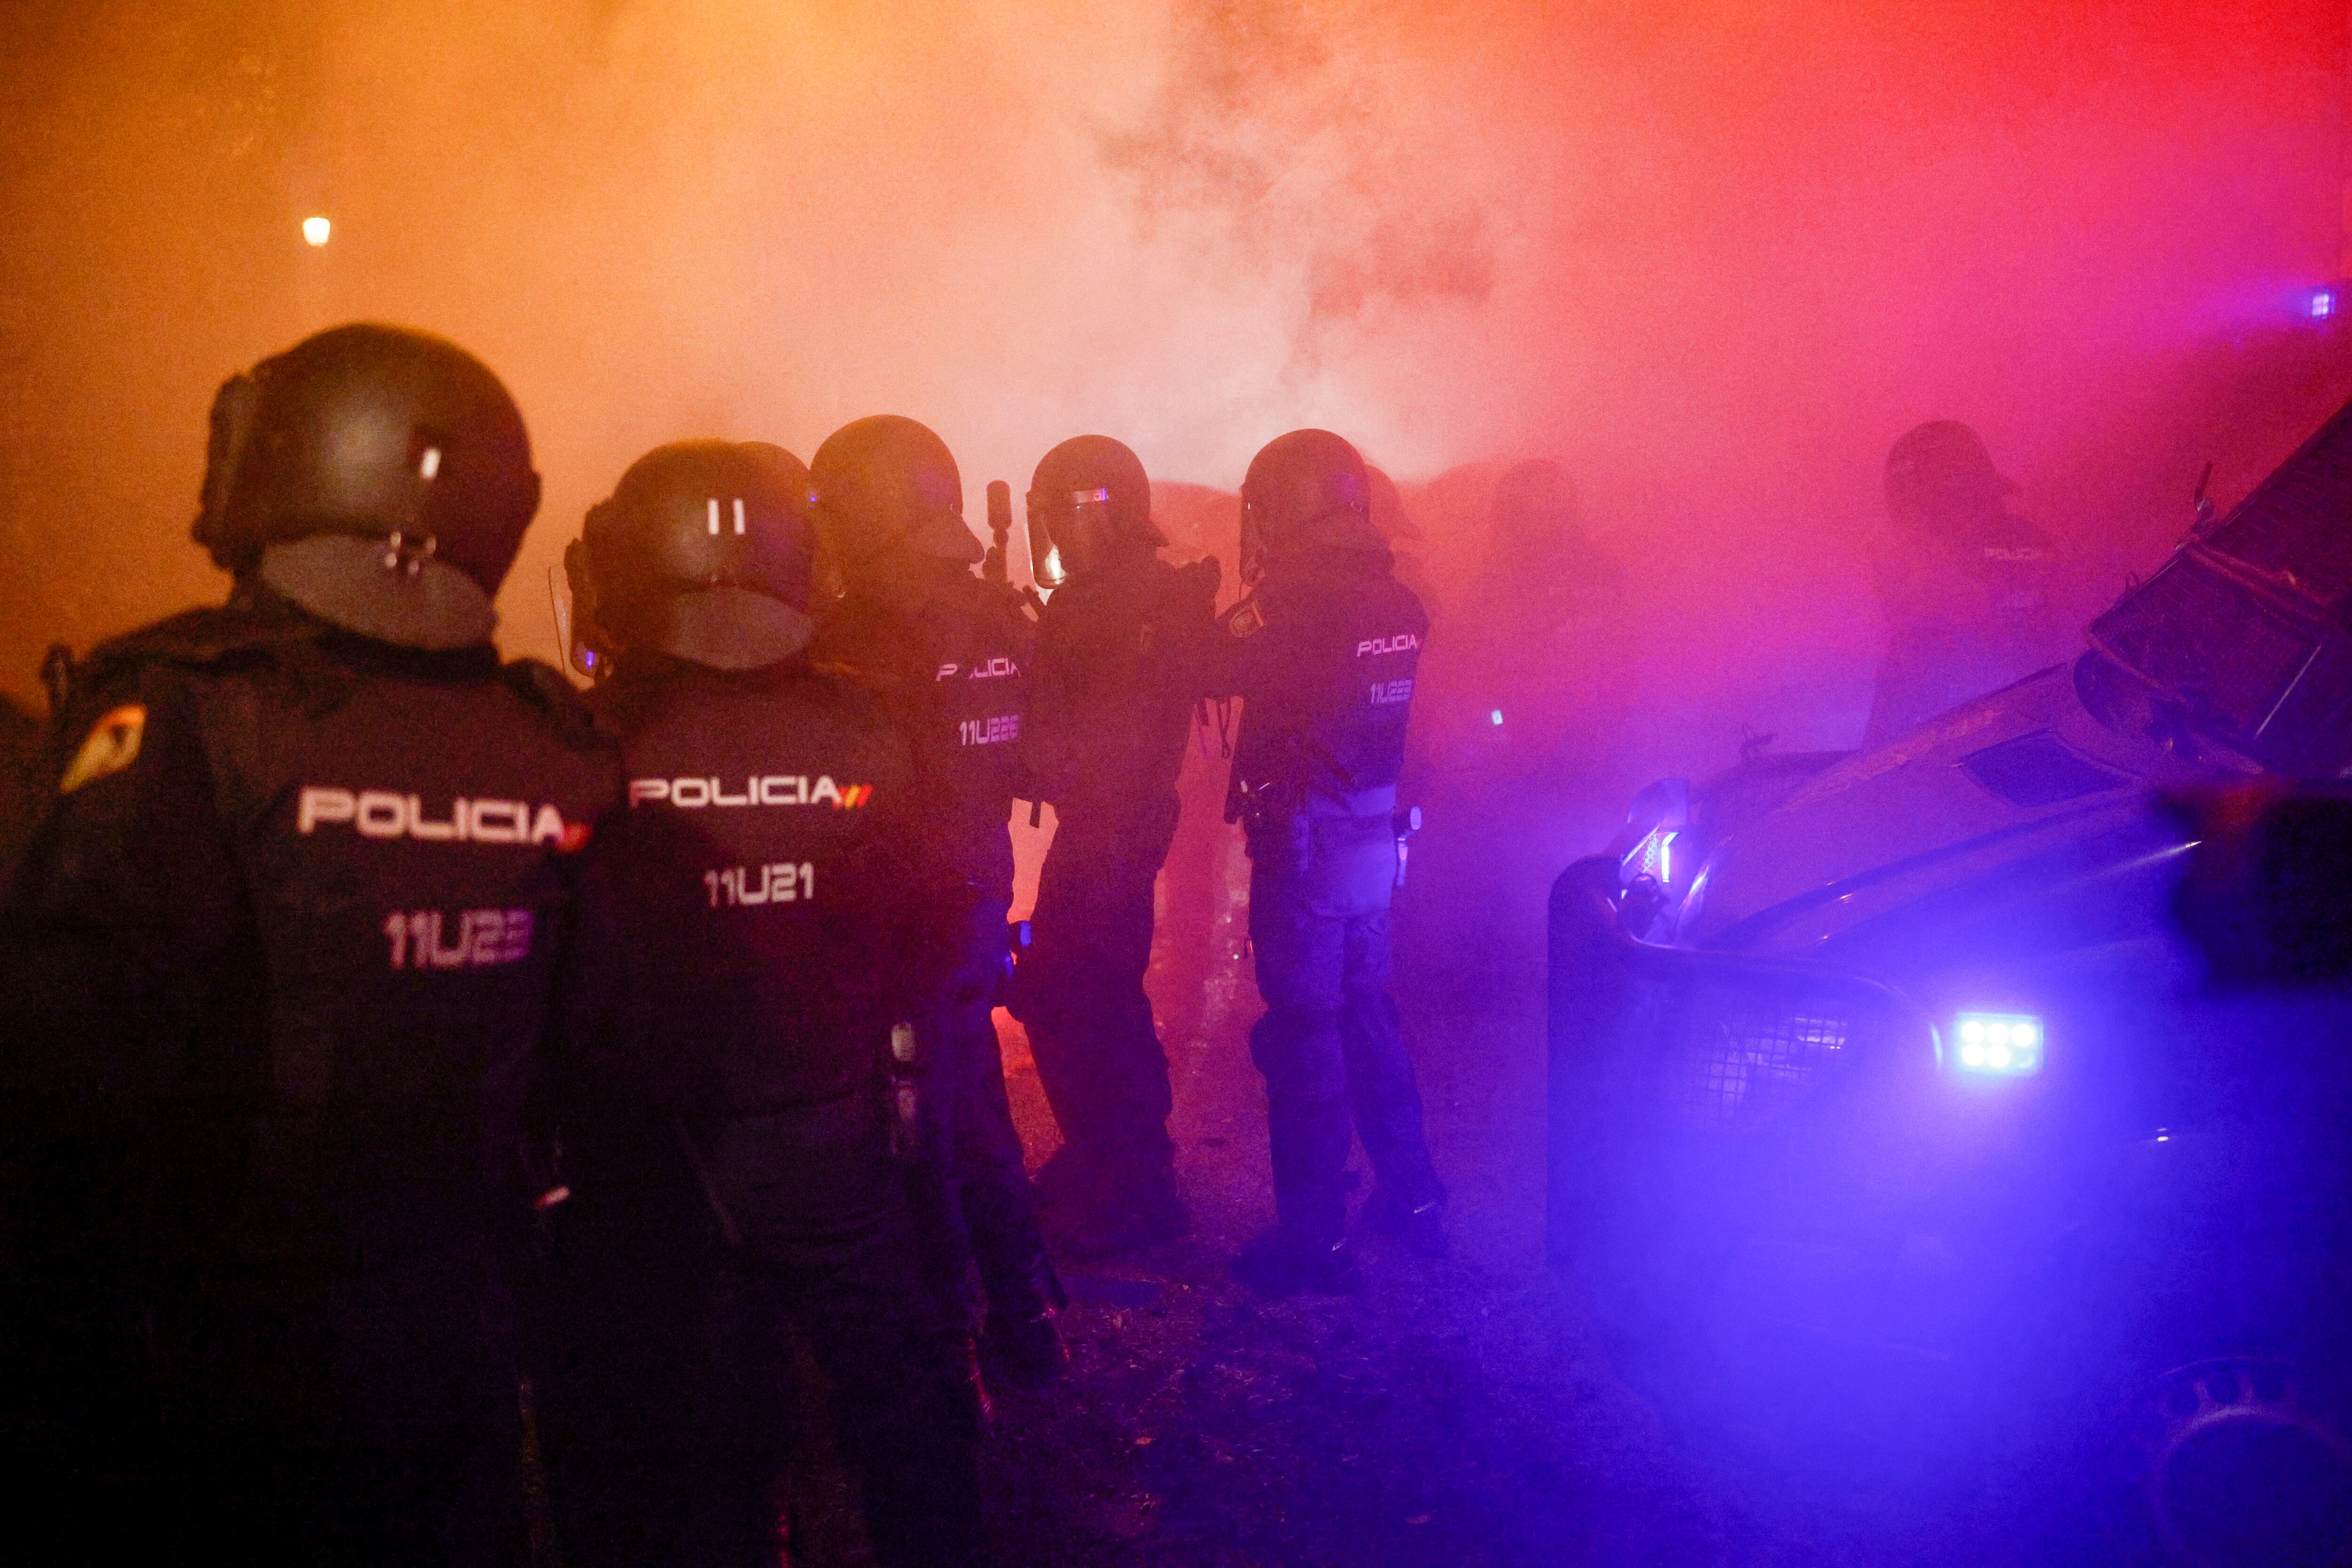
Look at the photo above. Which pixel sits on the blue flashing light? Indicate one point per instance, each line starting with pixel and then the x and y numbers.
pixel 1495 717
pixel 1998 1045
pixel 2324 303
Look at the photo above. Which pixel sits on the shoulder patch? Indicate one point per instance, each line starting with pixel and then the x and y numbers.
pixel 111 746
pixel 1246 619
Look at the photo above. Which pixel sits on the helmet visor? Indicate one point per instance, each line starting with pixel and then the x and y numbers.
pixel 1252 562
pixel 726 627
pixel 1070 533
pixel 391 588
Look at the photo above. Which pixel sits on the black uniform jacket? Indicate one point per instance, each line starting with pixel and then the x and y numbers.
pixel 1122 655
pixel 1323 656
pixel 758 918
pixel 949 655
pixel 289 938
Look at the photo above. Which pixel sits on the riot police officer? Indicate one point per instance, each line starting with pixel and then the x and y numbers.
pixel 1323 653
pixel 279 964
pixel 1965 583
pixel 1121 658
pixel 751 925
pixel 949 654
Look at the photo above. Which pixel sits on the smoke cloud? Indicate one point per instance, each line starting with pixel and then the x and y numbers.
pixel 1712 255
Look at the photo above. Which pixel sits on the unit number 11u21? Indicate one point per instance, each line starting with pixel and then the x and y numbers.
pixel 732 887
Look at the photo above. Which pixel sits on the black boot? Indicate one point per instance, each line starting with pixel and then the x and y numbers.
pixel 1119 1211
pixel 1282 1263
pixel 1025 1351
pixel 1421 1227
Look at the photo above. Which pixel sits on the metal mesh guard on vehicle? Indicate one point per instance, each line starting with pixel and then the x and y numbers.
pixel 1740 1056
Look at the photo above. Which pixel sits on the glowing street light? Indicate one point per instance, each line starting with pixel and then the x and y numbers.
pixel 317 230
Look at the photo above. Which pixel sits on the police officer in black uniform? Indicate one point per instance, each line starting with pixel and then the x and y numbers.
pixel 755 926
pixel 1966 582
pixel 1323 654
pixel 949 654
pixel 1122 652
pixel 280 967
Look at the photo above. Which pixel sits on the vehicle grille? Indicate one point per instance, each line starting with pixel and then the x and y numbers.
pixel 1739 1057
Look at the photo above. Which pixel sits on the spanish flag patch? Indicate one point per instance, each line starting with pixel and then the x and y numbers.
pixel 112 745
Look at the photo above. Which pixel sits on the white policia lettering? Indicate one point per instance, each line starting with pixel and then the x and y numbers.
pixel 485 937
pixel 996 669
pixel 781 883
pixel 384 813
pixel 990 732
pixel 774 789
pixel 1403 642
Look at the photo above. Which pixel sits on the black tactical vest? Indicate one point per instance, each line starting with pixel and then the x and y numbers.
pixel 404 830
pixel 1122 655
pixel 949 654
pixel 1324 661
pixel 747 912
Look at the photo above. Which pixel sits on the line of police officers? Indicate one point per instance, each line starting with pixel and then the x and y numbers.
pixel 410 1065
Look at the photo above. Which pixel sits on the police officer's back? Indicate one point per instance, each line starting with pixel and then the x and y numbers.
pixel 281 963
pixel 1965 583
pixel 1324 655
pixel 1519 678
pixel 756 924
pixel 949 655
pixel 1122 651
pixel 947 650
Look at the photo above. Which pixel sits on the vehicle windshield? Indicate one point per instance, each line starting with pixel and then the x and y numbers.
pixel 2241 631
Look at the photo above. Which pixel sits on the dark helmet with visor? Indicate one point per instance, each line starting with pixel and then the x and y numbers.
pixel 1942 466
pixel 888 485
pixel 1305 491
pixel 704 551
pixel 1089 500
pixel 379 477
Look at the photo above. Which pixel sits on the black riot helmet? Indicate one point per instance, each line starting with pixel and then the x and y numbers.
pixel 886 485
pixel 1939 473
pixel 379 477
pixel 1305 491
pixel 704 551
pixel 1089 500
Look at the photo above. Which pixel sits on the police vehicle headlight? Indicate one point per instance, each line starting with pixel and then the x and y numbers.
pixel 1655 855
pixel 1998 1045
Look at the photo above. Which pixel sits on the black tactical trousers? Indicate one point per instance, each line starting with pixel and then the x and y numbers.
pixel 197 1369
pixel 668 1406
pixel 334 1418
pixel 1329 1044
pixel 1081 988
pixel 972 1199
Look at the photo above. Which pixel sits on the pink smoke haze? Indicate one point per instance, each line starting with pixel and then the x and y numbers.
pixel 1713 256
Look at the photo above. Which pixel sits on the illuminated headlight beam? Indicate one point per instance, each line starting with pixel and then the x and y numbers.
pixel 1998 1045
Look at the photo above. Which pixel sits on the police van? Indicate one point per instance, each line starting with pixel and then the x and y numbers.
pixel 1898 1127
